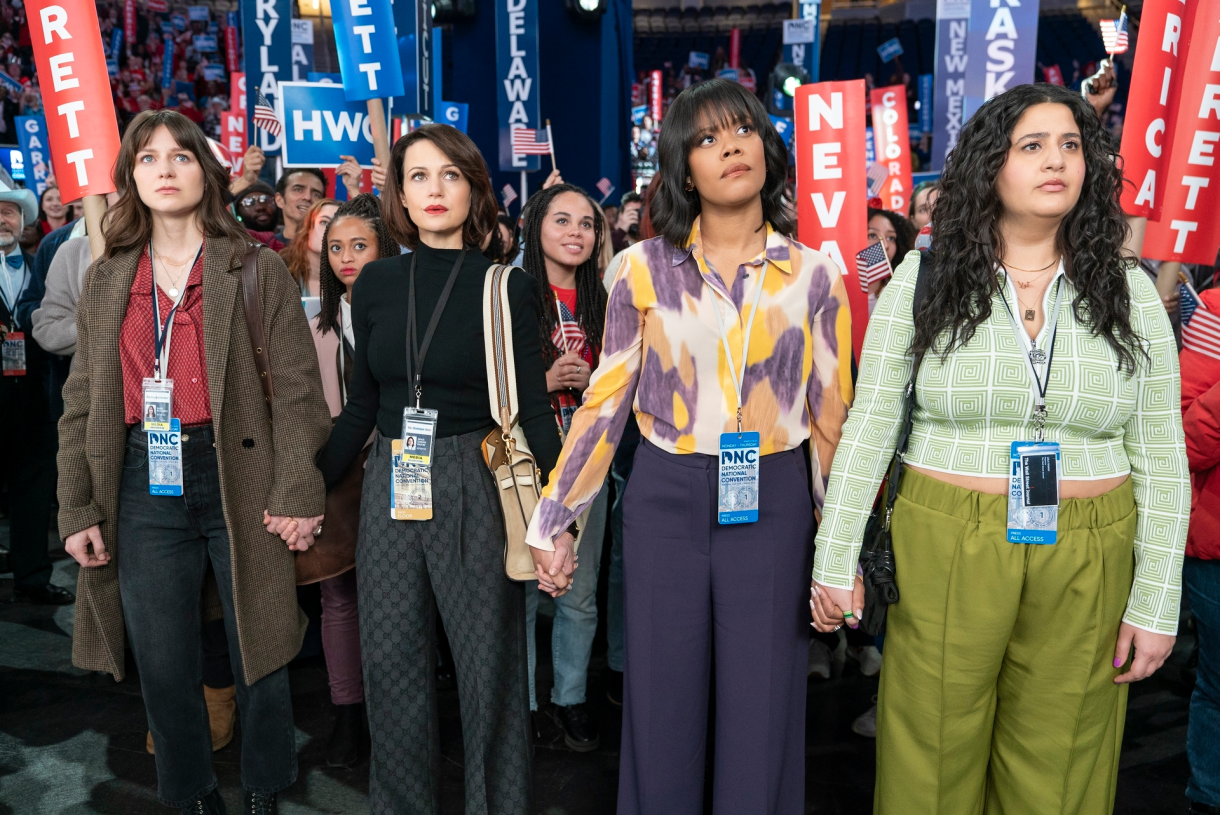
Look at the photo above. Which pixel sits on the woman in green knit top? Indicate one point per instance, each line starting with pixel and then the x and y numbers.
pixel 1007 663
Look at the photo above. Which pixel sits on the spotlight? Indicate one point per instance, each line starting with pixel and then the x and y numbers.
pixel 587 11
pixel 785 78
pixel 451 11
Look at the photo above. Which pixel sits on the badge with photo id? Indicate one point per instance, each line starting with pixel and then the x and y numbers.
pixel 158 403
pixel 12 352
pixel 411 466
pixel 738 478
pixel 165 460
pixel 1033 492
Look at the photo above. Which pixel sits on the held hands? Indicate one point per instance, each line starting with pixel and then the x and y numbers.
pixel 298 533
pixel 77 545
pixel 1151 651
pixel 554 569
pixel 569 371
pixel 350 171
pixel 828 604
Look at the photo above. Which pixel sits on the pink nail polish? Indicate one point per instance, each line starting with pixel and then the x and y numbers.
pixel 1118 662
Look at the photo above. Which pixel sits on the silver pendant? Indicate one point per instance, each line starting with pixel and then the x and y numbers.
pixel 1037 356
pixel 173 292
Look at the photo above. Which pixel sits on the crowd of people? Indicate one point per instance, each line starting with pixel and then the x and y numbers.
pixel 352 442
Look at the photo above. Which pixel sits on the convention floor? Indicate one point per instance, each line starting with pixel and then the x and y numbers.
pixel 73 742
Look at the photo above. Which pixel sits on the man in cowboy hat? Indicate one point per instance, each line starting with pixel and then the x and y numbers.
pixel 27 446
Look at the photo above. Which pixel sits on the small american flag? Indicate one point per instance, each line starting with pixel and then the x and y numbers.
pixel 264 115
pixel 525 142
pixel 1187 302
pixel 1202 333
pixel 605 188
pixel 567 334
pixel 508 195
pixel 1114 33
pixel 872 265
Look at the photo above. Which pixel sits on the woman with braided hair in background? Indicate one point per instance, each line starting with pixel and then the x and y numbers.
pixel 354 236
pixel 564 232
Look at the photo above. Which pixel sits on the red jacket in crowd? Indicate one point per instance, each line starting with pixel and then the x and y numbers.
pixel 1201 420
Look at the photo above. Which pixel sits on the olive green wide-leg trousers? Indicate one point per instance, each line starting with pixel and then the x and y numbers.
pixel 997 695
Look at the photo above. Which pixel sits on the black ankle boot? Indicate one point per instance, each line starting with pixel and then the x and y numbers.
pixel 210 804
pixel 579 732
pixel 343 749
pixel 260 803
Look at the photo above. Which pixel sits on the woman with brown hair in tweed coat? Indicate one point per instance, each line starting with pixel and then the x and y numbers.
pixel 165 303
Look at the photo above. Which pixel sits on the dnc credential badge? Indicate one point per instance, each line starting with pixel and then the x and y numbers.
pixel 1033 492
pixel 165 460
pixel 738 478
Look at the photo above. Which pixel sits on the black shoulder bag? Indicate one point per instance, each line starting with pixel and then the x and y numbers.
pixel 877 554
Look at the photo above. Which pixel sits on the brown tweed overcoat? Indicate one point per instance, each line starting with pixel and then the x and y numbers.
pixel 266 457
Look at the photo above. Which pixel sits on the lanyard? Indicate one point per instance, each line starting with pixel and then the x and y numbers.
pixel 1038 356
pixel 163 333
pixel 12 307
pixel 415 351
pixel 739 381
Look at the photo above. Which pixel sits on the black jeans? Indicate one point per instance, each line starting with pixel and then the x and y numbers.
pixel 166 545
pixel 27 446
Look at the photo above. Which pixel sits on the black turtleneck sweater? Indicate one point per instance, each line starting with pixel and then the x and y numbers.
pixel 455 369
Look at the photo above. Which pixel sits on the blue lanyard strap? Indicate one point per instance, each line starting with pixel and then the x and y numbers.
pixel 162 332
pixel 739 381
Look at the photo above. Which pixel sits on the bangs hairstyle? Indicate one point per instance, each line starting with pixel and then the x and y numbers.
pixel 128 224
pixel 365 207
pixel 698 109
pixel 967 243
pixel 464 155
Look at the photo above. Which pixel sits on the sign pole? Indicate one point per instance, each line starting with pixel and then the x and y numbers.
pixel 381 138
pixel 524 194
pixel 95 209
pixel 550 139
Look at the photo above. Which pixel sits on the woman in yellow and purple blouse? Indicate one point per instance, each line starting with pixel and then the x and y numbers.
pixel 681 308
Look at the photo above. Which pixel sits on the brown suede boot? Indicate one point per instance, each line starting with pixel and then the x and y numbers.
pixel 221 706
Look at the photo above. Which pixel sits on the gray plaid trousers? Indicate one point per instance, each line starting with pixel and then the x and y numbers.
pixel 457 556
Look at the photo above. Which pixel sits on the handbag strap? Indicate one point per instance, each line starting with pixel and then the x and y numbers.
pixel 908 417
pixel 254 319
pixel 498 345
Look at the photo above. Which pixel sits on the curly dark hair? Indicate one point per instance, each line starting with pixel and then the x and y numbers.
pixel 902 227
pixel 590 293
pixel 366 207
pixel 717 101
pixel 967 244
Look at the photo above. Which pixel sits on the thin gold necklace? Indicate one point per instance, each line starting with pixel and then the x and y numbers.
pixel 1008 265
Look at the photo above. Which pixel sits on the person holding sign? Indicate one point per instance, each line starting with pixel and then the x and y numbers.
pixel 1041 519
pixel 419 373
pixel 732 342
pixel 172 457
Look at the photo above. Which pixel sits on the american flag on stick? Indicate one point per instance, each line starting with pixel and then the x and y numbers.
pixel 508 195
pixel 525 142
pixel 872 265
pixel 605 188
pixel 1202 333
pixel 264 115
pixel 1114 33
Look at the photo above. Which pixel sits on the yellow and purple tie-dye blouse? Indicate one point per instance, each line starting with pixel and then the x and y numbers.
pixel 663 356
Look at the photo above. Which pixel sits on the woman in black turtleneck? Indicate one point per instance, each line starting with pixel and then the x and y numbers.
pixel 439 202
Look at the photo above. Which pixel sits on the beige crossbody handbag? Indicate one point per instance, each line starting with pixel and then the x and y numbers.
pixel 505 450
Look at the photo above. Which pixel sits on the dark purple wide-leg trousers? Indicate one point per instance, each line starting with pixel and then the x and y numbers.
pixel 694 589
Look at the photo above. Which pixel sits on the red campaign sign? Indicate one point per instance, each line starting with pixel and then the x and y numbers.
pixel 1053 75
pixel 232 59
pixel 831 185
pixel 654 95
pixel 129 24
pixel 892 143
pixel 734 47
pixel 71 66
pixel 237 92
pixel 233 138
pixel 1155 88
pixel 1189 229
pixel 159 6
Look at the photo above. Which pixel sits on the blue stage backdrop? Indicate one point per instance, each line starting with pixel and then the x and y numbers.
pixel 589 110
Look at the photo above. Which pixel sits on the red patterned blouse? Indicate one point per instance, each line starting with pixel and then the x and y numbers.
pixel 187 363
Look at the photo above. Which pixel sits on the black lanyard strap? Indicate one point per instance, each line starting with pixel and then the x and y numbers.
pixel 415 351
